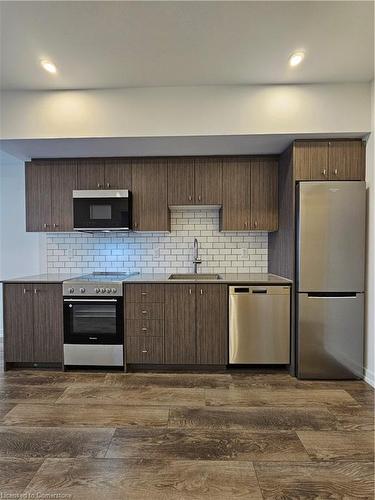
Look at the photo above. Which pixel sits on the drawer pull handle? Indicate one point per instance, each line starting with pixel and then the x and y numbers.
pixel 324 172
pixel 143 293
pixel 144 351
pixel 144 329
pixel 144 312
pixel 335 171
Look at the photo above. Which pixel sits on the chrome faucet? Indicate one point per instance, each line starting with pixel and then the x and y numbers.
pixel 196 259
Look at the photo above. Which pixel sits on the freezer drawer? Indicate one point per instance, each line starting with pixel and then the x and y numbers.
pixel 259 325
pixel 331 236
pixel 330 336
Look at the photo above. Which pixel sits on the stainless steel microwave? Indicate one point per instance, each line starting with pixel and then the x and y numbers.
pixel 102 210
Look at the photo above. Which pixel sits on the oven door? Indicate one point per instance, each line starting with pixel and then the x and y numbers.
pixel 106 210
pixel 93 321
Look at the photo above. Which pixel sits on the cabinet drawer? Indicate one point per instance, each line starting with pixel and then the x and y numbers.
pixel 145 328
pixel 144 311
pixel 144 293
pixel 145 350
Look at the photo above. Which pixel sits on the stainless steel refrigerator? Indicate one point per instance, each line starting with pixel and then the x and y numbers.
pixel 330 279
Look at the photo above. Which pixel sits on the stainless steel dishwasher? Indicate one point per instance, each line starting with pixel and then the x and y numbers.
pixel 259 324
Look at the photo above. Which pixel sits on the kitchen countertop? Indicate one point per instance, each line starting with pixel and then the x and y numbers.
pixel 42 278
pixel 255 279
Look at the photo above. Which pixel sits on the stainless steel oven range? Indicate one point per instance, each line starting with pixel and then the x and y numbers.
pixel 93 320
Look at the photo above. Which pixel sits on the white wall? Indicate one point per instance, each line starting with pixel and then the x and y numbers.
pixel 370 283
pixel 21 253
pixel 187 111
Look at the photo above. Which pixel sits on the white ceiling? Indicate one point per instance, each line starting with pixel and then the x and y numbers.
pixel 121 44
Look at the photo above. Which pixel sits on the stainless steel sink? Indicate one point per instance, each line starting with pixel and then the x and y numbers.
pixel 193 276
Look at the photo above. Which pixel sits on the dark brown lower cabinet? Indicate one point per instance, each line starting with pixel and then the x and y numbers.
pixel 18 323
pixel 196 324
pixel 180 338
pixel 212 324
pixel 48 323
pixel 33 323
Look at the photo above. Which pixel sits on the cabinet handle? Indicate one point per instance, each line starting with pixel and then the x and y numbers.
pixel 99 185
pixel 335 171
pixel 245 224
pixel 144 329
pixel 108 185
pixel 45 225
pixel 190 197
pixel 55 226
pixel 144 312
pixel 255 223
pixel 143 293
pixel 144 351
pixel 135 224
pixel 199 197
pixel 324 172
pixel 36 291
pixel 201 291
pixel 189 291
pixel 25 290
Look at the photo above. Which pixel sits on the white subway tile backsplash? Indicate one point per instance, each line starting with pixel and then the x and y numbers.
pixel 161 252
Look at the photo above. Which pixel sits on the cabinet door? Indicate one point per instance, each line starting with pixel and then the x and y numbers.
pixel 118 174
pixel 235 213
pixel 212 324
pixel 310 160
pixel 264 195
pixel 181 181
pixel 63 181
pixel 38 196
pixel 150 204
pixel 90 173
pixel 48 323
pixel 18 323
pixel 179 329
pixel 208 181
pixel 347 160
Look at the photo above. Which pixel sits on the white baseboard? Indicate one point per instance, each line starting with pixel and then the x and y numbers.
pixel 369 377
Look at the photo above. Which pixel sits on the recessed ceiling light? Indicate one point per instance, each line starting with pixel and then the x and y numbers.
pixel 48 66
pixel 296 58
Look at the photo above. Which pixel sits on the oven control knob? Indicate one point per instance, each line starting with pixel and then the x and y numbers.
pixel 108 290
pixel 114 290
pixel 97 290
pixel 82 290
pixel 102 290
pixel 71 290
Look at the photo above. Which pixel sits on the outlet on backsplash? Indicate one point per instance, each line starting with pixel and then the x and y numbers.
pixel 232 252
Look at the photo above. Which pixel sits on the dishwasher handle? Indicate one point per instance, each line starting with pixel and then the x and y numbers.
pixel 259 290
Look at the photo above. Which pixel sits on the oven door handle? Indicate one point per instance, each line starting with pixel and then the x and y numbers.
pixel 91 300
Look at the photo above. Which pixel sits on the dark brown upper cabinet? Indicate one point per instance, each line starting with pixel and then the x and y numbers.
pixel 195 181
pixel 49 195
pixel 347 160
pixel 102 173
pixel 38 187
pixel 235 212
pixel 150 198
pixel 118 174
pixel 181 189
pixel 264 195
pixel 33 323
pixel 90 173
pixel 208 181
pixel 311 160
pixel 329 160
pixel 212 324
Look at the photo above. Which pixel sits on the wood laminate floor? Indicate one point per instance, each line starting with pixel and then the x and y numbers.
pixel 184 436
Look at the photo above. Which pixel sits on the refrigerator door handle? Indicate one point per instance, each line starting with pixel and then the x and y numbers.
pixel 322 295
